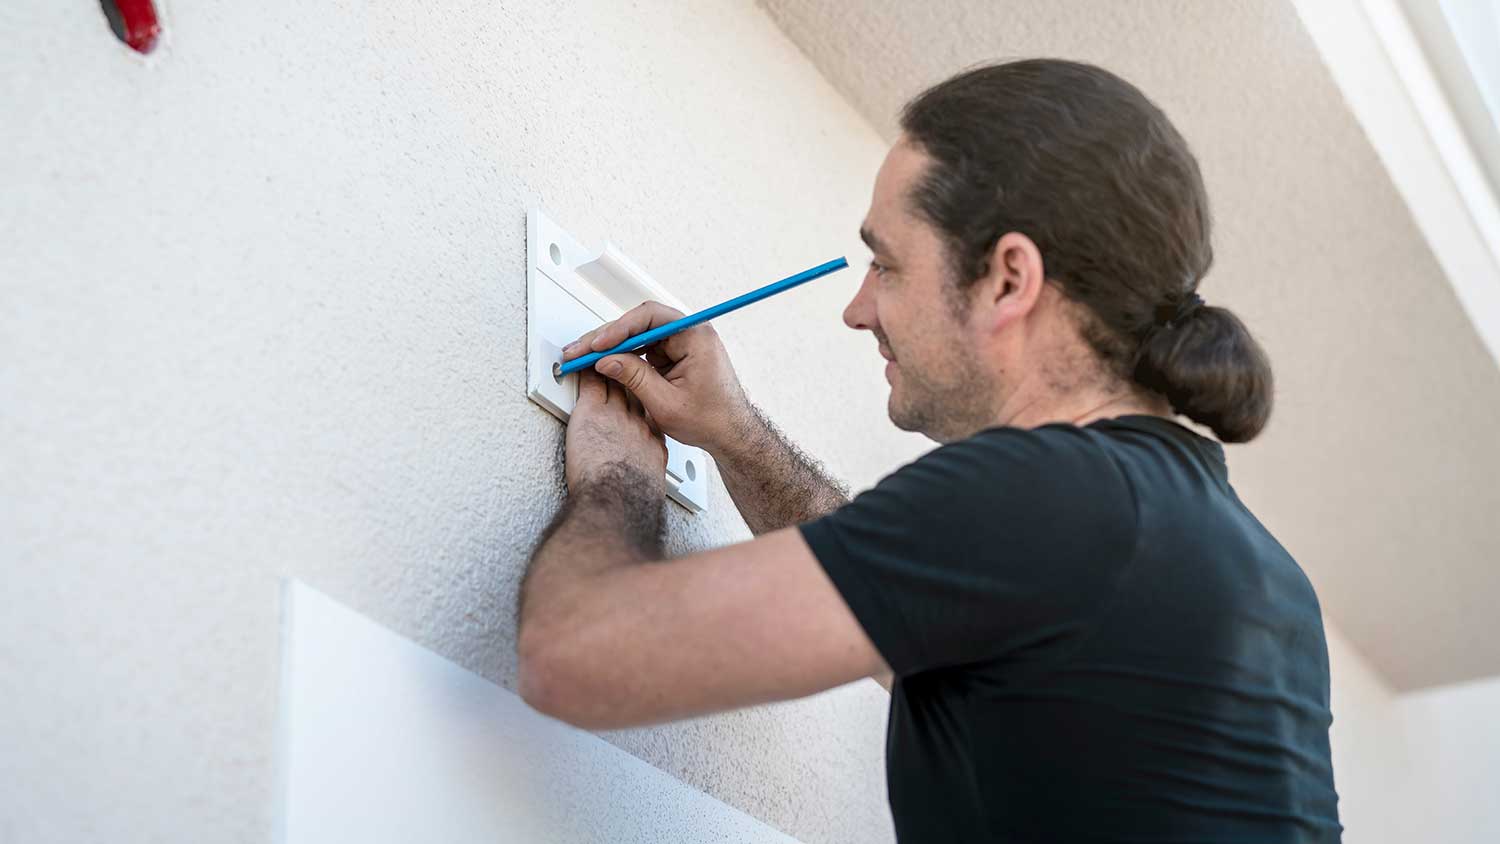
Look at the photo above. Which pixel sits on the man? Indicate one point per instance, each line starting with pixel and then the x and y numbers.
pixel 1086 635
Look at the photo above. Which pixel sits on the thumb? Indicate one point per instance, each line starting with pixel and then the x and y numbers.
pixel 637 376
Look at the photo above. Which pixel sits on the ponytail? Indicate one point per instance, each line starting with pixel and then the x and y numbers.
pixel 1211 370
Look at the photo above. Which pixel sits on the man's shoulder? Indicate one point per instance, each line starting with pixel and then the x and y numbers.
pixel 1051 452
pixel 1046 469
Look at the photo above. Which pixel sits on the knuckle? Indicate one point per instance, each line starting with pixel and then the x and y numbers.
pixel 633 318
pixel 659 310
pixel 635 377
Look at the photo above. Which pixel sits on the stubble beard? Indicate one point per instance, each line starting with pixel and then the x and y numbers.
pixel 944 409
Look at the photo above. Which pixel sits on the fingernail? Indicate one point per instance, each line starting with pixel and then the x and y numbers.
pixel 570 347
pixel 611 367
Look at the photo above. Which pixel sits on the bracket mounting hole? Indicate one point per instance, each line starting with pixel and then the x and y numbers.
pixel 692 471
pixel 555 253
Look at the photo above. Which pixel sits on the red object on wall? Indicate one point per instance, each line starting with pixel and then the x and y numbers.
pixel 138 19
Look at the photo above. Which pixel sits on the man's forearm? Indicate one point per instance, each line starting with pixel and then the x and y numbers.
pixel 607 523
pixel 773 483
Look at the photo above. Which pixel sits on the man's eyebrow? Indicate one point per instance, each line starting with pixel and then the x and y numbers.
pixel 871 240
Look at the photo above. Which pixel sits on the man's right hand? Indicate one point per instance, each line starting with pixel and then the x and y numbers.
pixel 686 382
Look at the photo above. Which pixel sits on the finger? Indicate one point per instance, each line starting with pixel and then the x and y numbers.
pixel 579 347
pixel 614 393
pixel 642 317
pixel 640 378
pixel 592 388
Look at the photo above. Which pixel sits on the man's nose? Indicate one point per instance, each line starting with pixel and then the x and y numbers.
pixel 859 314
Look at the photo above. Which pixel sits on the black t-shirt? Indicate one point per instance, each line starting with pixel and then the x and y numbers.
pixel 1093 640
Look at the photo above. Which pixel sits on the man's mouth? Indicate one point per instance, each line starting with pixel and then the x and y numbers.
pixel 883 347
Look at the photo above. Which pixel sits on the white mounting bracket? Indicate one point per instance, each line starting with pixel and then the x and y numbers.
pixel 570 290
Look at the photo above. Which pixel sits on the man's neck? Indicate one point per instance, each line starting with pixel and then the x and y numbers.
pixel 1081 407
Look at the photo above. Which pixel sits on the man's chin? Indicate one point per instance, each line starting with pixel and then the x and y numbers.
pixel 902 417
pixel 909 419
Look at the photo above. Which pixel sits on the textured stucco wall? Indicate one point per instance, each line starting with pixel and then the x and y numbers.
pixel 264 315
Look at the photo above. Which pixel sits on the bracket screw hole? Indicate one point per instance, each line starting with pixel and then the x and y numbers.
pixel 556 254
pixel 692 471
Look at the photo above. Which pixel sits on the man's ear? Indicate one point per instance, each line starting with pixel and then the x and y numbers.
pixel 1013 283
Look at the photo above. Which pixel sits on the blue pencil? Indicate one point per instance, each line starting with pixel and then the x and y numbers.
pixel 661 332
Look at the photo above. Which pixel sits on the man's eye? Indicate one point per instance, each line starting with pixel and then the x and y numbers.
pixel 878 267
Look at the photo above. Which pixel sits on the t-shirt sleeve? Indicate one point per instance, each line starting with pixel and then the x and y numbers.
pixel 1000 545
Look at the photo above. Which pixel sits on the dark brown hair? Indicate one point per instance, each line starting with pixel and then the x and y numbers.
pixel 1078 160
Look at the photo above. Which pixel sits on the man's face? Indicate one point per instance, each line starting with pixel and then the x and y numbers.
pixel 937 384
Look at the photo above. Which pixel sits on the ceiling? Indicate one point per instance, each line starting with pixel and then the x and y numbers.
pixel 1380 471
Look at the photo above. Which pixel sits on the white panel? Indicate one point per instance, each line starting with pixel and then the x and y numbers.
pixel 384 741
pixel 569 291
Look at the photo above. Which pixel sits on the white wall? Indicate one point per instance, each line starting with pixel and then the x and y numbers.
pixel 1419 766
pixel 1456 770
pixel 1371 750
pixel 264 316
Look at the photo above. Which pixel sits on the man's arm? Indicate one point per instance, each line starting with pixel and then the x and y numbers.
pixel 773 483
pixel 689 388
pixel 776 485
pixel 636 643
pixel 609 637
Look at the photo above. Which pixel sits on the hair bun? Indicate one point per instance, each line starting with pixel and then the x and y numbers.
pixel 1211 370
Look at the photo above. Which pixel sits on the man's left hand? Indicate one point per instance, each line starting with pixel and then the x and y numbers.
pixel 609 426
